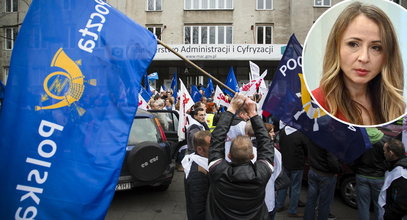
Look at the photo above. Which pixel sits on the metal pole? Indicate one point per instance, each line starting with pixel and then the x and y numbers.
pixel 194 65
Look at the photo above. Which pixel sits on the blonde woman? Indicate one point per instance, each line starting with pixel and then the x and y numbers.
pixel 362 81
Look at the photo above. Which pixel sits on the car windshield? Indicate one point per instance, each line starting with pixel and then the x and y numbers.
pixel 143 129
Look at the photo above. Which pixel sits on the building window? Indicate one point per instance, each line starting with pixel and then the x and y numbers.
pixel 322 3
pixel 154 5
pixel 208 34
pixel 264 34
pixel 208 4
pixel 10 36
pixel 264 5
pixel 155 30
pixel 11 5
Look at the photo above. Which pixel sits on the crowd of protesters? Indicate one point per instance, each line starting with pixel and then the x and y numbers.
pixel 228 171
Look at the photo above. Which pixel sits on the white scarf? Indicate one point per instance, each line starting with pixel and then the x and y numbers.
pixel 389 177
pixel 270 192
pixel 288 130
pixel 190 158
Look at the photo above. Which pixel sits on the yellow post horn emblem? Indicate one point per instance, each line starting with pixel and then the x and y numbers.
pixel 73 77
pixel 308 109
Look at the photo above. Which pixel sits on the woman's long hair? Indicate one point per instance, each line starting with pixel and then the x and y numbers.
pixel 385 90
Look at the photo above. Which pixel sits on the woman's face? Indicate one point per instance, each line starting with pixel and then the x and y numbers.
pixel 361 51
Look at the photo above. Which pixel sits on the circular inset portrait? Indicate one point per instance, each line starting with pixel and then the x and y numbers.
pixel 354 61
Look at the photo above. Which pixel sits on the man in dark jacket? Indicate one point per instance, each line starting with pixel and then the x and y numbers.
pixel 199 116
pixel 393 196
pixel 237 189
pixel 324 167
pixel 369 169
pixel 196 180
pixel 293 148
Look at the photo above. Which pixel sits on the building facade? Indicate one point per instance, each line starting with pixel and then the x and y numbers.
pixel 214 34
pixel 240 30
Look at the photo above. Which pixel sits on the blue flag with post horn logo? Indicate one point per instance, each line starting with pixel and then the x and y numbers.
pixel 289 100
pixel 71 97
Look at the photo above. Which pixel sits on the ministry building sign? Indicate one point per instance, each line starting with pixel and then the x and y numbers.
pixel 272 52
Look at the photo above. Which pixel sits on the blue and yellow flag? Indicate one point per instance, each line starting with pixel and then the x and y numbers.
pixel 289 100
pixel 71 97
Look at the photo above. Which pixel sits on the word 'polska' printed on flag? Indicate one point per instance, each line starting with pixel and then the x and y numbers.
pixel 66 118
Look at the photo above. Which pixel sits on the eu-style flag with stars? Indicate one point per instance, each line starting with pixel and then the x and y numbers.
pixel 289 100
pixel 231 82
pixel 209 89
pixel 196 96
pixel 72 94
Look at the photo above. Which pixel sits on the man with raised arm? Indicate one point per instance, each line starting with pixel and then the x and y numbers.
pixel 237 189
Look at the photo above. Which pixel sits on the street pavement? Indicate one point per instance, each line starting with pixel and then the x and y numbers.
pixel 148 204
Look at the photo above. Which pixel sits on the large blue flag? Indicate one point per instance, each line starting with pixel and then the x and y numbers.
pixel 174 86
pixel 289 100
pixel 71 98
pixel 195 95
pixel 231 82
pixel 209 89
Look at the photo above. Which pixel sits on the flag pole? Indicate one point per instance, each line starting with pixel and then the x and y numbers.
pixel 194 65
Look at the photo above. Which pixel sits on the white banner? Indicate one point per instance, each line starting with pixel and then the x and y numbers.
pixel 185 104
pixel 254 70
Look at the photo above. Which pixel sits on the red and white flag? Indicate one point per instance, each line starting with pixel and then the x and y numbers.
pixel 186 103
pixel 219 98
pixel 142 104
pixel 254 85
pixel 263 93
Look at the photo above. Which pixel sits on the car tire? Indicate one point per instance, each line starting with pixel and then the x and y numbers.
pixel 348 191
pixel 147 161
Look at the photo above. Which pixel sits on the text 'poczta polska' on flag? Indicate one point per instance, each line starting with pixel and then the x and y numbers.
pixel 72 96
pixel 289 100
